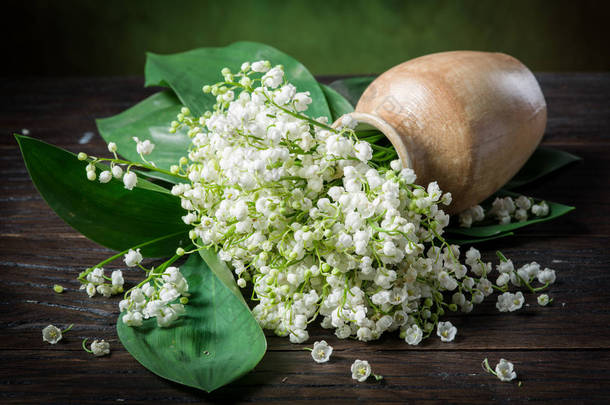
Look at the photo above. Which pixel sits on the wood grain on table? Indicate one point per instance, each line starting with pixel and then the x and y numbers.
pixel 561 352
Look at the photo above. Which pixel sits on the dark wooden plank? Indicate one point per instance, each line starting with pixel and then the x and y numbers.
pixel 55 376
pixel 578 108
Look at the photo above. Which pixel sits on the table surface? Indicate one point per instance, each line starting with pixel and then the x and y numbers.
pixel 561 352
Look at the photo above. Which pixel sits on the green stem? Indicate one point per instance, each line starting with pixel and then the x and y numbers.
pixel 524 282
pixel 541 288
pixel 143 165
pixel 501 256
pixel 161 269
pixel 495 287
pixel 154 273
pixel 486 367
pixel 300 116
pixel 68 328
pixel 116 256
pixel 85 346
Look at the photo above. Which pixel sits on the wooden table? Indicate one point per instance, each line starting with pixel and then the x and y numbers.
pixel 561 352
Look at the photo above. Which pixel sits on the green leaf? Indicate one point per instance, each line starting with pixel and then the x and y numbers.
pixel 149 119
pixel 543 161
pixel 186 73
pixel 352 88
pixel 105 213
pixel 215 342
pixel 221 270
pixel 485 231
pixel 337 104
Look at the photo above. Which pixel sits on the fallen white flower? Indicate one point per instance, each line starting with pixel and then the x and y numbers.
pixel 321 351
pixel 543 300
pixel 100 348
pixel 361 370
pixel 504 370
pixel 51 334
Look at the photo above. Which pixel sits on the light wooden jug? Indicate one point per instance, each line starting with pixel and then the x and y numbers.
pixel 468 120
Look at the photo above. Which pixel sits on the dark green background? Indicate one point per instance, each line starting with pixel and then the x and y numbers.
pixel 67 38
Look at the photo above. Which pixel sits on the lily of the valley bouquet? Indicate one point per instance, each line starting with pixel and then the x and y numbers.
pixel 238 168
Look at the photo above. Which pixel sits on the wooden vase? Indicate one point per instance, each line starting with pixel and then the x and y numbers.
pixel 468 120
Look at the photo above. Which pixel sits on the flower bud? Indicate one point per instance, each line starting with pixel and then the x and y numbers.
pixel 105 176
pixel 130 180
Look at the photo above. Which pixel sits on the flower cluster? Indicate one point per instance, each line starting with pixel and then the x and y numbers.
pixel 521 277
pixel 95 282
pixel 129 178
pixel 294 207
pixel 299 210
pixel 505 210
pixel 161 295
pixel 164 292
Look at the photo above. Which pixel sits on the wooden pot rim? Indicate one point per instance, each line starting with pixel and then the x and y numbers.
pixel 366 121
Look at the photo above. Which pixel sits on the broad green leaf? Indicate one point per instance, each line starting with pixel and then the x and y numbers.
pixel 105 213
pixel 543 161
pixel 352 88
pixel 149 119
pixel 187 72
pixel 215 342
pixel 485 231
pixel 337 104
pixel 221 270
